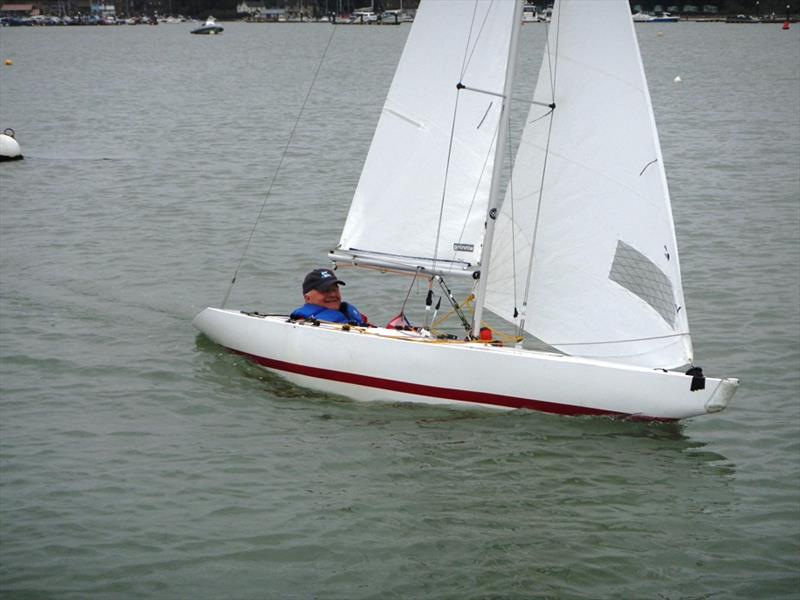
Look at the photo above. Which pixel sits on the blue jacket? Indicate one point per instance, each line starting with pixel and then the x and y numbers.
pixel 347 313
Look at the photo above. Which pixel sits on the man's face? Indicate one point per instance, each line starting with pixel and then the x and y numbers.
pixel 331 298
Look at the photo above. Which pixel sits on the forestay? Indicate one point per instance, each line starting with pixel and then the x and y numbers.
pixel 422 198
pixel 586 229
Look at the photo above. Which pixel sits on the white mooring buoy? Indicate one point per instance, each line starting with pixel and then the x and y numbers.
pixel 9 147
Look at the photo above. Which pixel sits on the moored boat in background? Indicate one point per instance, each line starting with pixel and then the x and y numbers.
pixel 742 19
pixel 210 27
pixel 663 17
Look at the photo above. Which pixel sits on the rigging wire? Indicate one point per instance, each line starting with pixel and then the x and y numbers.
pixel 464 65
pixel 552 68
pixel 408 293
pixel 678 334
pixel 278 168
pixel 475 192
pixel 457 309
pixel 444 185
pixel 466 60
pixel 513 220
pixel 467 304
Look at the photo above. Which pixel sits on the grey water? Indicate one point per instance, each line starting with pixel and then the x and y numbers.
pixel 138 460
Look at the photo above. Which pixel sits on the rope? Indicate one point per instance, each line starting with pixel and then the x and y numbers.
pixel 278 168
pixel 467 303
pixel 467 58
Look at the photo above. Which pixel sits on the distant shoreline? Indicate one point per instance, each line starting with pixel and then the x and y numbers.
pixel 84 22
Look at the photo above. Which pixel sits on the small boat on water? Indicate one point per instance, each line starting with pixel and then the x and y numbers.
pixel 579 252
pixel 362 17
pixel 664 17
pixel 210 27
pixel 394 17
pixel 742 19
pixel 9 147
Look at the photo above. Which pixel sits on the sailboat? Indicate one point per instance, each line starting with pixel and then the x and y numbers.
pixel 210 27
pixel 576 249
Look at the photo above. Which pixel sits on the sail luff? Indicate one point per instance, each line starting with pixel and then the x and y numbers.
pixel 495 199
pixel 551 54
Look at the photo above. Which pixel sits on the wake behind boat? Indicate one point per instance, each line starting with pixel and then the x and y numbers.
pixel 210 27
pixel 580 251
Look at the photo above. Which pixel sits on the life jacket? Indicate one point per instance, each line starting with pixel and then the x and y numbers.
pixel 347 313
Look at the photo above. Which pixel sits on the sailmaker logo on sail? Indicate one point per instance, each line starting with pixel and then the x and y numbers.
pixel 463 247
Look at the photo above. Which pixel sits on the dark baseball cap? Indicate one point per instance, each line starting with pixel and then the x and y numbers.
pixel 321 280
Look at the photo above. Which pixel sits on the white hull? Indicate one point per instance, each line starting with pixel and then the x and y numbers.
pixel 645 18
pixel 379 364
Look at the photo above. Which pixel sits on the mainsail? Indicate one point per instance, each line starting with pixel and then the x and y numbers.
pixel 585 241
pixel 422 198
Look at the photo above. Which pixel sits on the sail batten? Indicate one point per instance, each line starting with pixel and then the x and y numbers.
pixel 592 214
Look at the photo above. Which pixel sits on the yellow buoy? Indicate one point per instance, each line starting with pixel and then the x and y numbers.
pixel 8 62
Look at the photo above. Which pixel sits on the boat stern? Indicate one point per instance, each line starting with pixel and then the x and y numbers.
pixel 722 395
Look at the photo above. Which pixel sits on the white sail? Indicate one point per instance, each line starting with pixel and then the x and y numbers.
pixel 422 198
pixel 589 193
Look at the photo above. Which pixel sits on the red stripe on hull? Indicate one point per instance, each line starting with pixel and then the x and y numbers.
pixel 469 396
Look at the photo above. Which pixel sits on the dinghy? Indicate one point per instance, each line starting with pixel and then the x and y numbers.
pixel 579 251
pixel 210 27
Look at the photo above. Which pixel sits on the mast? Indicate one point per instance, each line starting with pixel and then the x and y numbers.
pixel 494 193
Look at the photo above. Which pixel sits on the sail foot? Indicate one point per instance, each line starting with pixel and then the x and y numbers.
pixel 660 352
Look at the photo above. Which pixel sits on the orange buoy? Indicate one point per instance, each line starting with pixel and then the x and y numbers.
pixel 786 25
